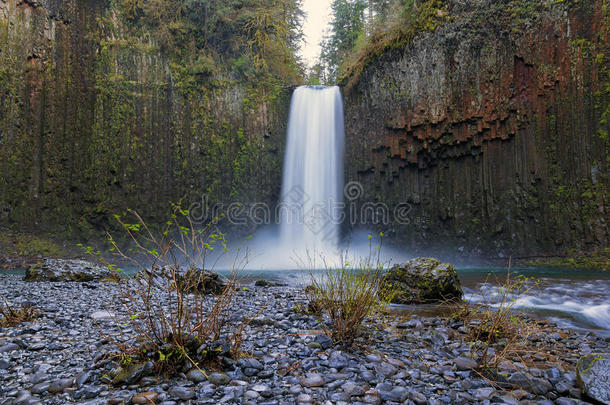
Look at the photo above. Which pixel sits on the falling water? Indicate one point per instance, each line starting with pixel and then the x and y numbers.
pixel 312 185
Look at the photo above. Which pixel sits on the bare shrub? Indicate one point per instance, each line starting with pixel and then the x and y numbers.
pixel 168 304
pixel 10 316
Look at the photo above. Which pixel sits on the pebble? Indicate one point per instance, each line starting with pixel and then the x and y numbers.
pixel 313 381
pixel 196 376
pixel 182 393
pixel 145 398
pixel 219 378
pixel 464 363
pixel 290 360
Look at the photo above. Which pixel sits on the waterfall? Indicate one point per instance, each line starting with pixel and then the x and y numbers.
pixel 312 186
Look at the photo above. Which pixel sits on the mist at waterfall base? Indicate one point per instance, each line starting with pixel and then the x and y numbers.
pixel 309 230
pixel 312 175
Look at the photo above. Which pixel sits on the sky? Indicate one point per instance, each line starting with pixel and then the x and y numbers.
pixel 317 18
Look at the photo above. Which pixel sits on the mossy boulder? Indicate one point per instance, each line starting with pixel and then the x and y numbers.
pixel 202 281
pixel 593 373
pixel 423 280
pixel 66 270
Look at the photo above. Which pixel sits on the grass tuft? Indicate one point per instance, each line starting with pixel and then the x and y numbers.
pixel 10 316
pixel 347 295
pixel 498 324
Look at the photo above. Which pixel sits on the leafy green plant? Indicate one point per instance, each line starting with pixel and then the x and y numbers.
pixel 348 294
pixel 177 324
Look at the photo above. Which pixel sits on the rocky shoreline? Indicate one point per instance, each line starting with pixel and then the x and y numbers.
pixel 60 358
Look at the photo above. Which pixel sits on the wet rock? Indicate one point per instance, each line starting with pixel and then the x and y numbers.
pixel 353 389
pixel 145 398
pixel 385 369
pixel 314 380
pixel 195 376
pixel 202 281
pixel 464 363
pixel 66 270
pixel 9 347
pixel 337 360
pixel 324 341
pixel 132 373
pixel 304 399
pixel 102 316
pixel 59 385
pixel 424 280
pixel 482 394
pixel 40 387
pixel 219 378
pixel 593 373
pixel 182 393
pixel 262 283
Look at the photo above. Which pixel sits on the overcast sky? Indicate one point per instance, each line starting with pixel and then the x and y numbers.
pixel 317 18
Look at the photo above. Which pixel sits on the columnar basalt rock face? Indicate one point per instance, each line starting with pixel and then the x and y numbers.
pixel 95 118
pixel 492 129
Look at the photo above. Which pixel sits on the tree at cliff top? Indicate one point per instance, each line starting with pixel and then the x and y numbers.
pixel 359 26
pixel 265 32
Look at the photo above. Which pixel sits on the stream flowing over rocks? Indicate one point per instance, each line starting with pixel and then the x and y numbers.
pixel 61 357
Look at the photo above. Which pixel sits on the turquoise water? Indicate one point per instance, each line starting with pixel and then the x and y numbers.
pixel 573 298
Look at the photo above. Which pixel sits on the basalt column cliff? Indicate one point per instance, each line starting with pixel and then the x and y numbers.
pixel 492 127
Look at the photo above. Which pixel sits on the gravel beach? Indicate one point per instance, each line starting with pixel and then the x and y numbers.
pixel 60 358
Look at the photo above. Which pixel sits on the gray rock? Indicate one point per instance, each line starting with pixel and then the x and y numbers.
pixel 181 392
pixel 373 358
pixel 324 341
pixel 424 280
pixel 304 399
pixel 418 398
pixel 195 376
pixel 397 394
pixel 219 378
pixel 482 394
pixel 250 362
pixel 251 394
pixel 40 387
pixel 66 270
pixel 410 324
pixel 102 316
pixel 593 374
pixel 59 385
pixel 132 373
pixel 202 281
pixel 9 347
pixel 337 360
pixel 92 391
pixel 385 369
pixel 315 380
pixel 82 378
pixel 464 363
pixel 4 364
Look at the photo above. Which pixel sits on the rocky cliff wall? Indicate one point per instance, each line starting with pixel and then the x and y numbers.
pixel 95 118
pixel 491 130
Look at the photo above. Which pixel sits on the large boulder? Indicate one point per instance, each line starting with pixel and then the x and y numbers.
pixel 202 281
pixel 66 270
pixel 423 280
pixel 593 373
